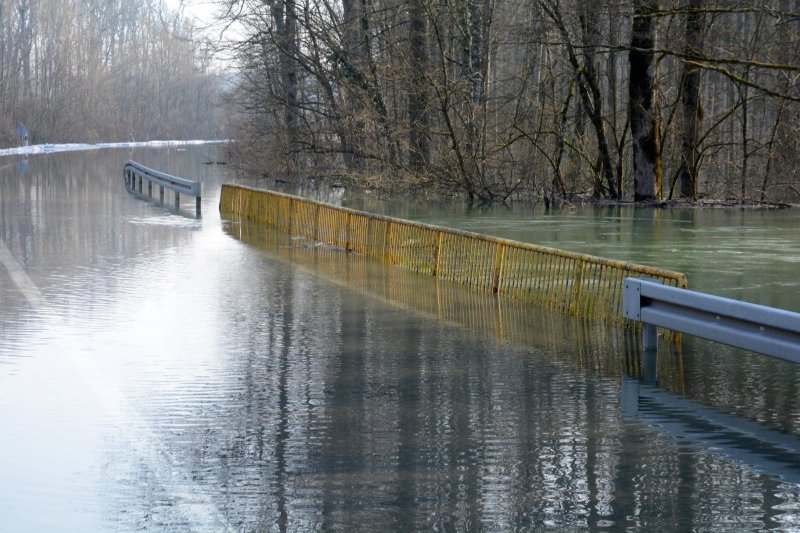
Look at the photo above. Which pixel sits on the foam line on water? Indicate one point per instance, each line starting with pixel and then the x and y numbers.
pixel 78 147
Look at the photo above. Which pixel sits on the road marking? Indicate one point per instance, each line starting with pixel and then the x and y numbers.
pixel 20 278
pixel 191 501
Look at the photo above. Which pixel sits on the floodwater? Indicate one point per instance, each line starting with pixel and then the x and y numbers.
pixel 163 372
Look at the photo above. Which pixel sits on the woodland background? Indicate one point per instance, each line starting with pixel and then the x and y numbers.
pixel 491 99
pixel 103 70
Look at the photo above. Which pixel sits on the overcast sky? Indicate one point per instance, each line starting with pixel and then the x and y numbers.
pixel 202 10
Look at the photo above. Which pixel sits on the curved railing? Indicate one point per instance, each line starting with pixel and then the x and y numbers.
pixel 134 172
pixel 578 284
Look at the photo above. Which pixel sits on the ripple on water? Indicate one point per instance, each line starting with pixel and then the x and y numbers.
pixel 289 399
pixel 167 220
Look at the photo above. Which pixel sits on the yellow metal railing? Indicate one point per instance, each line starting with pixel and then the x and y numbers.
pixel 578 284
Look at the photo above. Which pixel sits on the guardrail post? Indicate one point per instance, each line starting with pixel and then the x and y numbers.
pixel 437 253
pixel 649 338
pixel 177 200
pixel 140 183
pixel 197 206
pixel 650 367
pixel 498 267
pixel 161 193
pixel 347 231
pixel 149 189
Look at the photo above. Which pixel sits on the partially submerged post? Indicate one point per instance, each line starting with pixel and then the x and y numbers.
pixel 23 134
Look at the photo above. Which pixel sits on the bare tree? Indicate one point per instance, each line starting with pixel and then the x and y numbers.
pixel 643 115
pixel 90 70
pixel 690 102
pixel 495 99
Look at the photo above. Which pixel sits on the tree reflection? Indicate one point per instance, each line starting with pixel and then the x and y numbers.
pixel 444 407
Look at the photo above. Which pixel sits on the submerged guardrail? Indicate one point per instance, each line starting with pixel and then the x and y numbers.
pixel 578 284
pixel 133 170
pixel 753 327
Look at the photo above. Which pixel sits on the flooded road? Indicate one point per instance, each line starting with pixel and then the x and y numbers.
pixel 167 373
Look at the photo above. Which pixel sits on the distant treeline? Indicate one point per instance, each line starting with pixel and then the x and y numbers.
pixel 102 70
pixel 543 98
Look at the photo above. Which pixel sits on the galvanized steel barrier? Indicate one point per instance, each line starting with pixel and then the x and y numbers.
pixel 753 327
pixel 133 170
pixel 578 284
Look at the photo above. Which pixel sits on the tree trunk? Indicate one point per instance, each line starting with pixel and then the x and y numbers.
pixel 26 46
pixel 595 108
pixel 643 118
pixel 588 88
pixel 418 114
pixel 691 105
pixel 284 13
pixel 353 104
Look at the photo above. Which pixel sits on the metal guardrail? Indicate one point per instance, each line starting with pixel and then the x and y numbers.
pixel 573 283
pixel 753 327
pixel 134 172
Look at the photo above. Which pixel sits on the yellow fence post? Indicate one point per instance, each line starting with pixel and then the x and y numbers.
pixel 437 254
pixel 387 235
pixel 347 231
pixel 577 282
pixel 290 216
pixel 316 223
pixel 498 267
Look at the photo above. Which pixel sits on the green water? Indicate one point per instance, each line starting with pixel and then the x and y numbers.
pixel 748 254
pixel 744 254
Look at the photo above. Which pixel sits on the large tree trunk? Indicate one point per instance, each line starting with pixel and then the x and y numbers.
pixel 284 13
pixel 352 63
pixel 418 115
pixel 643 118
pixel 690 104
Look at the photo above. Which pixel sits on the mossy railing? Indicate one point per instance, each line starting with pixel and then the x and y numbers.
pixel 578 284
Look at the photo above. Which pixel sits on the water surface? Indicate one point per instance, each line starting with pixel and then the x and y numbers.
pixel 163 372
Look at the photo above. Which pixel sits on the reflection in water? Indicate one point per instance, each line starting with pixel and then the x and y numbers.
pixel 296 387
pixel 766 450
pixel 606 349
pixel 633 463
